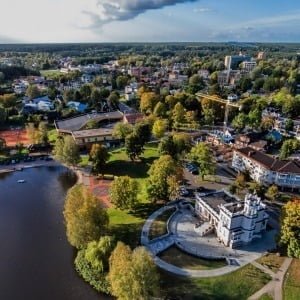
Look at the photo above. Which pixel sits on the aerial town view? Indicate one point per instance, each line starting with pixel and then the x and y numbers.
pixel 149 150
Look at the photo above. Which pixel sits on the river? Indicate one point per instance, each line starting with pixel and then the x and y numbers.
pixel 36 261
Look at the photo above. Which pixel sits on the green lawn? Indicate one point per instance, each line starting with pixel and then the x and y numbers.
pixel 159 226
pixel 127 225
pixel 271 261
pixel 291 288
pixel 266 297
pixel 238 285
pixel 181 259
pixel 50 73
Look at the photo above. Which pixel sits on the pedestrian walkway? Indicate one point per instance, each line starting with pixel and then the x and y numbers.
pixel 274 287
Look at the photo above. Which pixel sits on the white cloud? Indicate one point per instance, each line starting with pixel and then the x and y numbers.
pixel 121 10
pixel 201 10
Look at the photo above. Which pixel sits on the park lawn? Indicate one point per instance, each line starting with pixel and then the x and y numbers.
pixel 127 225
pixel 291 288
pixel 181 259
pixel 271 261
pixel 266 297
pixel 159 225
pixel 50 73
pixel 238 285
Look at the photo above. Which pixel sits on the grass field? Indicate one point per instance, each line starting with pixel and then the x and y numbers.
pixel 127 225
pixel 266 297
pixel 238 285
pixel 291 288
pixel 271 261
pixel 180 259
pixel 159 225
pixel 50 73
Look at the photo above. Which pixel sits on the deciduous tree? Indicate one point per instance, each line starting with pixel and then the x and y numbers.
pixel 85 219
pixel 123 192
pixel 290 228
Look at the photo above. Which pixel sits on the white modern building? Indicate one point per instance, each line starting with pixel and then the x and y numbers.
pixel 266 169
pixel 235 222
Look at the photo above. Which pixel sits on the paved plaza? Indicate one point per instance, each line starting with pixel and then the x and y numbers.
pixel 182 233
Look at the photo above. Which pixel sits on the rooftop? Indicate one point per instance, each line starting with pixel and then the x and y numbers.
pixel 77 123
pixel 271 163
pixel 92 133
pixel 219 198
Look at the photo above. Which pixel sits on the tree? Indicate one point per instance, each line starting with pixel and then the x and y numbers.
pixel 159 128
pixel 114 99
pixel 32 92
pixel 288 148
pixel 240 121
pixel 43 133
pixel 67 151
pixel 121 130
pixel 203 156
pixel 123 192
pixel 85 219
pixel 240 181
pixel 178 114
pixel 159 173
pixel 272 192
pixel 92 263
pixel 120 264
pixel 160 110
pixel 3 114
pixel 32 133
pixel 68 96
pixel 290 228
pixel 167 147
pixel 133 145
pixel 98 156
pixel 85 92
pixel 173 187
pixel 143 129
pixel 289 125
pixel 148 102
pixel 195 84
pixel 8 100
pixel 133 275
pixel 121 82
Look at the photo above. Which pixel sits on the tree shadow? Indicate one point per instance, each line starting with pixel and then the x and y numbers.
pixel 144 210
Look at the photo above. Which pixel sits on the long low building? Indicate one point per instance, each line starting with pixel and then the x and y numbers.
pixel 236 222
pixel 266 169
pixel 90 136
pixel 79 122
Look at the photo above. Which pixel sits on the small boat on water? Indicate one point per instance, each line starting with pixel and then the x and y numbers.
pixel 21 181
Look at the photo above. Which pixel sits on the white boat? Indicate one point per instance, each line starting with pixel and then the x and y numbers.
pixel 21 181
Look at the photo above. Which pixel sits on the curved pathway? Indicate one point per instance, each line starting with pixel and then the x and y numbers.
pixel 274 287
pixel 162 243
pixel 181 233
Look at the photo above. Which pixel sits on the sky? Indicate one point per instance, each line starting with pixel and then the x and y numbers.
pixel 47 21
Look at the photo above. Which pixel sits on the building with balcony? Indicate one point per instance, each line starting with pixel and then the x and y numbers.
pixel 266 169
pixel 235 222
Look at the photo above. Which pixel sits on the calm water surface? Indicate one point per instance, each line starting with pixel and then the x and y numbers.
pixel 36 261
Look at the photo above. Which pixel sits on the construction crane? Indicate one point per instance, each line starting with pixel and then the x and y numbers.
pixel 227 105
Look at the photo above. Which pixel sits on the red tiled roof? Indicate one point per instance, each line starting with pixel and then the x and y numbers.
pixel 273 164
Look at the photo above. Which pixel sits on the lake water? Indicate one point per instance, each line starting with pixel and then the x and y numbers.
pixel 36 261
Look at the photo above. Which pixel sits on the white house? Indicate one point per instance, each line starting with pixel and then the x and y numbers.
pixel 236 222
pixel 266 169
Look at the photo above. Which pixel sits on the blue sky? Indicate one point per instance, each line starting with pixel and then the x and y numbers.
pixel 149 20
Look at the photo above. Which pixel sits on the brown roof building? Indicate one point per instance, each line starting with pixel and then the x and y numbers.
pixel 266 169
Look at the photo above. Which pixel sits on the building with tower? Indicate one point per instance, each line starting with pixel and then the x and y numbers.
pixel 236 222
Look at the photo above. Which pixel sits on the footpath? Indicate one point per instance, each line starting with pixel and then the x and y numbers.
pixel 275 286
